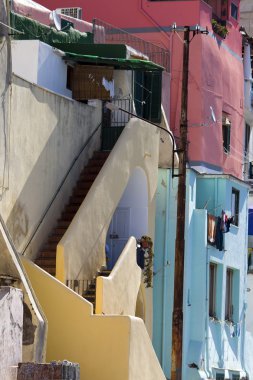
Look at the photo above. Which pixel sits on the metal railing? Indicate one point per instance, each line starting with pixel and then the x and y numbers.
pixel 105 33
pixel 60 186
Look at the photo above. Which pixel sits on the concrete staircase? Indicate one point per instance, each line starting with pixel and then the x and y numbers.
pixel 90 293
pixel 47 256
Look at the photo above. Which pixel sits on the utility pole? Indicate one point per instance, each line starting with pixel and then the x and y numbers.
pixel 177 318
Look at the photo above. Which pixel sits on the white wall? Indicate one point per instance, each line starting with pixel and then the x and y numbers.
pixel 136 198
pixel 41 64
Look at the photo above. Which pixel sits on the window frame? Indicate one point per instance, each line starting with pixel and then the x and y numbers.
pixel 213 290
pixel 234 9
pixel 229 307
pixel 226 132
pixel 235 206
pixel 220 376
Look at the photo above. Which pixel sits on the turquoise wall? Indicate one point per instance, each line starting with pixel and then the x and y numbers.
pixel 208 343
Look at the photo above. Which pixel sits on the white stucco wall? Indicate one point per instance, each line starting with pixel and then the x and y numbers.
pixel 83 244
pixel 46 131
pixel 117 293
pixel 11 330
pixel 135 197
pixel 41 64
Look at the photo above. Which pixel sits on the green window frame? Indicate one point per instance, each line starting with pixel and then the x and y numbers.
pixel 148 94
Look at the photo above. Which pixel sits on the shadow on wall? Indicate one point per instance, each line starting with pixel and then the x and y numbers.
pixel 5 80
pixel 42 146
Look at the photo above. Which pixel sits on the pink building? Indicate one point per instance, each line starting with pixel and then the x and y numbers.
pixel 215 108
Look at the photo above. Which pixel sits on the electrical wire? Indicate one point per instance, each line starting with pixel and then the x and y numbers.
pixel 9 27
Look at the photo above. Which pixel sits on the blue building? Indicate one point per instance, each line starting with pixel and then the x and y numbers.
pixel 214 280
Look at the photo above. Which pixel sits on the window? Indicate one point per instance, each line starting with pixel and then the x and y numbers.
pixel 235 377
pixel 229 295
pixel 212 289
pixel 235 206
pixel 247 138
pixel 226 127
pixel 70 72
pixel 220 376
pixel 73 12
pixel 148 94
pixel 234 11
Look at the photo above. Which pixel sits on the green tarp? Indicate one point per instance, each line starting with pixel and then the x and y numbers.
pixel 33 30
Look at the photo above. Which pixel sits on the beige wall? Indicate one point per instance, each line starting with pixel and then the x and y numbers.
pixel 46 131
pixel 5 78
pixel 82 248
pixel 106 347
pixel 117 294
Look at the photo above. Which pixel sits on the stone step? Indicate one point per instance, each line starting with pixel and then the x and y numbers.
pixel 47 254
pixel 76 200
pixel 46 262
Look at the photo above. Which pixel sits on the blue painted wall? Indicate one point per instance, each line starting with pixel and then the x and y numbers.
pixel 207 342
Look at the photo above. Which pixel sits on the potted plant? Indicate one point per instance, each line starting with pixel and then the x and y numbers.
pixel 219 29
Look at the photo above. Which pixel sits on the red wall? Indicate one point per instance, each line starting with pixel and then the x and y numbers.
pixel 216 74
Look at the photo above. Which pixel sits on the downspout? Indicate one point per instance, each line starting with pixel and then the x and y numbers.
pixel 244 303
pixel 207 317
pixel 165 265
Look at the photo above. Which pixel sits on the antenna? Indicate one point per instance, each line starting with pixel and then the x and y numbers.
pixel 55 20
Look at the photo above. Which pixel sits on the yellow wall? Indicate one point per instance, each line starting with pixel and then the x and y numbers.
pixel 106 347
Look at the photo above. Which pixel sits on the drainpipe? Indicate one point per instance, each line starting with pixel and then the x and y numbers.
pixel 207 317
pixel 247 74
pixel 165 265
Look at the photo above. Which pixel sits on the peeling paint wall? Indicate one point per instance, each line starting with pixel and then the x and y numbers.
pixel 11 328
pixel 34 326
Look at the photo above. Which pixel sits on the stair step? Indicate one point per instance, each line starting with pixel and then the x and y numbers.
pixel 47 254
pixel 68 216
pixel 93 169
pixel 104 273
pixel 63 223
pixel 96 161
pixel 100 155
pixel 76 200
pixel 79 192
pixel 59 230
pixel 89 297
pixel 88 177
pixel 50 246
pixel 72 208
pixel 50 270
pixel 46 262
pixel 54 238
pixel 82 184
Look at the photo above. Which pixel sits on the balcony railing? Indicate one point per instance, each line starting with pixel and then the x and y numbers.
pixel 113 35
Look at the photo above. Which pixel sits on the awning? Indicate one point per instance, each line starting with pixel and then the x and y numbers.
pixel 117 63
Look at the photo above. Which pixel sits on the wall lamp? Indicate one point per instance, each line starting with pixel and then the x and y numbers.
pixel 243 31
pixel 114 107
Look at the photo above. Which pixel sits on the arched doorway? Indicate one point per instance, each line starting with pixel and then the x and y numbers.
pixel 130 217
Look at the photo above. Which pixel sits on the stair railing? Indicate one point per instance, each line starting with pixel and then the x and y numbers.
pixel 60 186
